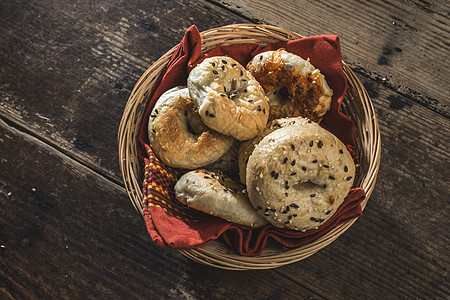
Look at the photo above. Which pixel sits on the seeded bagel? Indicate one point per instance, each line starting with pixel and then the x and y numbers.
pixel 177 135
pixel 298 176
pixel 217 195
pixel 293 85
pixel 229 99
pixel 247 147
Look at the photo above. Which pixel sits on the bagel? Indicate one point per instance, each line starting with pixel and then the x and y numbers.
pixel 246 148
pixel 217 195
pixel 177 135
pixel 293 85
pixel 298 176
pixel 229 99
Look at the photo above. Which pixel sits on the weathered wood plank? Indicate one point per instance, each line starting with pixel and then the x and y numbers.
pixel 67 232
pixel 63 228
pixel 62 63
pixel 402 43
pixel 68 67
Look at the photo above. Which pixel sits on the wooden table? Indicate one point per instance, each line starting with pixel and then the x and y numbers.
pixel 67 226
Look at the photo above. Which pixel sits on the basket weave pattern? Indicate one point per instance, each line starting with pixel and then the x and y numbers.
pixel 356 105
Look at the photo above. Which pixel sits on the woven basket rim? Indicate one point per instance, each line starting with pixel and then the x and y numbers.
pixel 357 105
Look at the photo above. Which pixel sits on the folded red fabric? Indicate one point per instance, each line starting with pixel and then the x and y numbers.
pixel 171 224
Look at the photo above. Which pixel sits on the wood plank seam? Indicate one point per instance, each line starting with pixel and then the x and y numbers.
pixel 236 12
pixel 16 125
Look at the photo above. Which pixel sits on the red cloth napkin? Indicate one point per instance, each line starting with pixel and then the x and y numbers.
pixel 171 224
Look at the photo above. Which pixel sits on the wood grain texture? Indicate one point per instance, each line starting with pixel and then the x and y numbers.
pixel 68 233
pixel 68 63
pixel 404 44
pixel 83 226
pixel 67 227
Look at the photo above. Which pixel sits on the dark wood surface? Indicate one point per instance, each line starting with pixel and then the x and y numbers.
pixel 67 227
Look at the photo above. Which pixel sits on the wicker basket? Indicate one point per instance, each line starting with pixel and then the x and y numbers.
pixel 356 105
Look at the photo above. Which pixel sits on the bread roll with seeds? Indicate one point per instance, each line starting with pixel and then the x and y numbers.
pixel 229 99
pixel 217 195
pixel 247 147
pixel 294 86
pixel 298 176
pixel 177 135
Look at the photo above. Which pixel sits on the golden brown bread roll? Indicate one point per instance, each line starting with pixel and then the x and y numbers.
pixel 177 135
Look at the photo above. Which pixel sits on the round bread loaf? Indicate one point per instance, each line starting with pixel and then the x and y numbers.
pixel 177 135
pixel 293 85
pixel 247 147
pixel 298 176
pixel 229 99
pixel 217 195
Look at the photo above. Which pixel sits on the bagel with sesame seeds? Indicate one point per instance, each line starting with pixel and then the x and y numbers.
pixel 217 195
pixel 297 176
pixel 293 85
pixel 178 136
pixel 247 147
pixel 229 98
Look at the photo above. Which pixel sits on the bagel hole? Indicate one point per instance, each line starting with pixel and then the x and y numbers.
pixel 309 190
pixel 284 94
pixel 194 124
pixel 307 185
pixel 193 129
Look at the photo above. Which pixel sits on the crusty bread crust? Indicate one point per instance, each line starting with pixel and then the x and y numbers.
pixel 217 195
pixel 229 99
pixel 247 147
pixel 297 176
pixel 177 135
